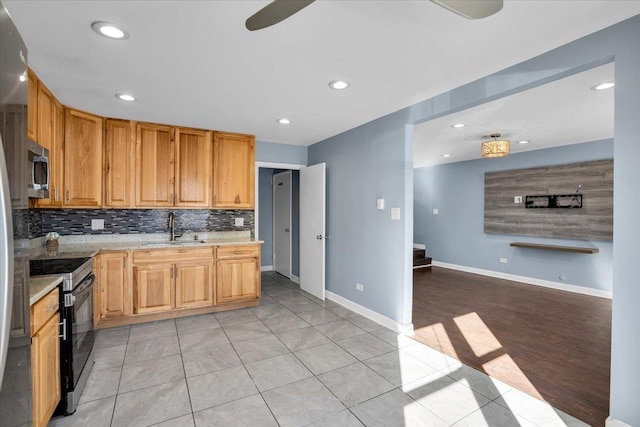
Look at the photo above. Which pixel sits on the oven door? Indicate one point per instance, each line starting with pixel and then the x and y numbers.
pixel 81 326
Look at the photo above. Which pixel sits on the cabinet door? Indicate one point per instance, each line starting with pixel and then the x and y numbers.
pixel 44 121
pixel 82 159
pixel 153 288
pixel 194 284
pixel 115 293
pixel 193 171
pixel 118 163
pixel 14 140
pixel 154 165
pixel 45 363
pixel 233 171
pixel 19 319
pixel 237 279
pixel 56 155
pixel 32 105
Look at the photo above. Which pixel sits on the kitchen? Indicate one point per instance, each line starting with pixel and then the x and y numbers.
pixel 115 222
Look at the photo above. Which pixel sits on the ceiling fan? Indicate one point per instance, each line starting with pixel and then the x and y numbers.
pixel 279 10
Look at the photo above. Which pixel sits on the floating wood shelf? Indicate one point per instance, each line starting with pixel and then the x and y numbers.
pixel 576 249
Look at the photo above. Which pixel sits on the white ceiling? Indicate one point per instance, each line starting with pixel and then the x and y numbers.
pixel 193 63
pixel 563 112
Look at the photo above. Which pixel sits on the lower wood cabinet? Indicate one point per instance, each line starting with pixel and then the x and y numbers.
pixel 113 284
pixel 45 358
pixel 162 283
pixel 237 273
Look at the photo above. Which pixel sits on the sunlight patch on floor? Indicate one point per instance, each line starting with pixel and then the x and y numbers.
pixel 477 334
pixel 437 337
pixel 505 367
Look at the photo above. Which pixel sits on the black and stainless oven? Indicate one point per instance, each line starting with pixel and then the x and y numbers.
pixel 76 345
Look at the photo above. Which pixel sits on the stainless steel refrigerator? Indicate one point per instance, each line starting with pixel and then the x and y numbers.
pixel 15 343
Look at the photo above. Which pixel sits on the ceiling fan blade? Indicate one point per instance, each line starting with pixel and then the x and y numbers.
pixel 274 12
pixel 471 9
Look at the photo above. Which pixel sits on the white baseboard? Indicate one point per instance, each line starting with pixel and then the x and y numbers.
pixel 419 246
pixel 266 268
pixel 612 422
pixel 370 314
pixel 529 280
pixel 295 279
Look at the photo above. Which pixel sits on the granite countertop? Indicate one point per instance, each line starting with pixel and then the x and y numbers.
pixel 41 285
pixel 89 246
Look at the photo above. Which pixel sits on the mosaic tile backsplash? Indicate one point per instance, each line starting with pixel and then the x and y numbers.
pixel 130 221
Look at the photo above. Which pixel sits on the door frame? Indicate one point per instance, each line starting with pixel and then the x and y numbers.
pixel 269 165
pixel 273 217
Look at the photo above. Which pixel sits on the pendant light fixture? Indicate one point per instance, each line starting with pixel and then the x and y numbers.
pixel 496 147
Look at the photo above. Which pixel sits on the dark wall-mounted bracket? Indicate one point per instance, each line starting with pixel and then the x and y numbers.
pixel 571 201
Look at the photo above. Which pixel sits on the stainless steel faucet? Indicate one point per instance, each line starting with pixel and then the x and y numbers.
pixel 172 228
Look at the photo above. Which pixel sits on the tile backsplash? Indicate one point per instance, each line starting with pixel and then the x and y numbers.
pixel 130 221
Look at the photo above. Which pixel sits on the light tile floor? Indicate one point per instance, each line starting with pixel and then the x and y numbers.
pixel 293 361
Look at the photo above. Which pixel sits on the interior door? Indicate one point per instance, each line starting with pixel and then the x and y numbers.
pixel 282 223
pixel 312 229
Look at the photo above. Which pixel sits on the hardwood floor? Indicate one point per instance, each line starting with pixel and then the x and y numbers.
pixel 552 344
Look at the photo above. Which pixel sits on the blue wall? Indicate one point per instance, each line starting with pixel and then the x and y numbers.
pixel 374 160
pixel 281 153
pixel 456 235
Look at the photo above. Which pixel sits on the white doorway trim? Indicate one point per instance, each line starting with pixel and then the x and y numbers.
pixel 270 165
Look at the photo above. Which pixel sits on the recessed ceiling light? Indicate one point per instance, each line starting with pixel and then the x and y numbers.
pixel 458 125
pixel 110 30
pixel 603 86
pixel 284 121
pixel 524 141
pixel 339 84
pixel 125 97
pixel 446 155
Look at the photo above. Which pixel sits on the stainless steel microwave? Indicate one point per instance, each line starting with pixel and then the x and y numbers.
pixel 38 170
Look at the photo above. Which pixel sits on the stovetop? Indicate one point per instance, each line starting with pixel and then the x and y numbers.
pixel 41 267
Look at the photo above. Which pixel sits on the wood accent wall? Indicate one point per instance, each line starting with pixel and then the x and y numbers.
pixel 594 221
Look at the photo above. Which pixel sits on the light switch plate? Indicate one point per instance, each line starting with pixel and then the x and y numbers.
pixel 395 214
pixel 380 204
pixel 517 199
pixel 239 222
pixel 435 211
pixel 97 224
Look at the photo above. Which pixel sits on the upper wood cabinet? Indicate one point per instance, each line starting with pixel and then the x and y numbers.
pixel 83 159
pixel 193 167
pixel 44 117
pixel 233 171
pixel 32 105
pixel 119 163
pixel 154 165
pixel 56 152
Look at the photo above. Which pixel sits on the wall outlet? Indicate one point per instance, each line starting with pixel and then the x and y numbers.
pixel 395 214
pixel 435 211
pixel 97 224
pixel 359 287
pixel 503 260
pixel 239 222
pixel 517 199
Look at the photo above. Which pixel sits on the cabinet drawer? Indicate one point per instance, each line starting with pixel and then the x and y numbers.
pixel 171 255
pixel 44 309
pixel 249 251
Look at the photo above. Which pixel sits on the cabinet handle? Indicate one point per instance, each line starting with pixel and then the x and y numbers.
pixel 64 329
pixel 55 193
pixel 68 195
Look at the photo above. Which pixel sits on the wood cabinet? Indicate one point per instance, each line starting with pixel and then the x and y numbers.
pixel 82 159
pixel 44 116
pixel 193 167
pixel 19 319
pixel 56 149
pixel 113 285
pixel 32 105
pixel 172 279
pixel 45 358
pixel 12 122
pixel 154 165
pixel 233 171
pixel 119 163
pixel 237 273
